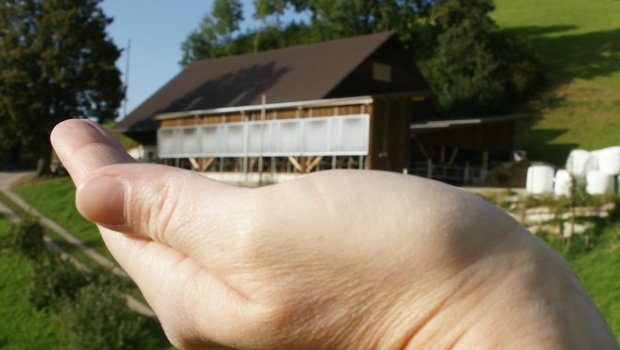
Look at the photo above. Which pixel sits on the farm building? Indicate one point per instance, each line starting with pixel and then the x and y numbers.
pixel 349 103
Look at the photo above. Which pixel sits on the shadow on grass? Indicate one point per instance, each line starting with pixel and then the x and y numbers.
pixel 570 56
pixel 538 143
pixel 564 56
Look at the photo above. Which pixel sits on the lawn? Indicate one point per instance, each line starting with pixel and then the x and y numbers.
pixel 599 272
pixel 23 327
pixel 578 45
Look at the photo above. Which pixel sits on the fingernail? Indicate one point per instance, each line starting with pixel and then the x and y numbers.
pixel 102 200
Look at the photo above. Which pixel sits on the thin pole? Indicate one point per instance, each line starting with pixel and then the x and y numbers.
pixel 126 78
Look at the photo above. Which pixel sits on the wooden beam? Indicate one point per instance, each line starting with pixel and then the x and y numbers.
pixel 453 156
pixel 314 163
pixel 293 161
pixel 194 163
pixel 423 150
pixel 205 164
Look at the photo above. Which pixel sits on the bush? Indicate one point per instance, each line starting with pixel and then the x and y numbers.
pixel 55 280
pixel 26 238
pixel 98 318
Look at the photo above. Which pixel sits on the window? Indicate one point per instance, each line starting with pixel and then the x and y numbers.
pixel 381 72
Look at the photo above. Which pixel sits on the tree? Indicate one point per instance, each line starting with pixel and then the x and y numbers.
pixel 214 36
pixel 329 19
pixel 476 69
pixel 56 62
pixel 269 8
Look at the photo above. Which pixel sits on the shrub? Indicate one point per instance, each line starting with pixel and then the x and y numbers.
pixel 55 280
pixel 98 318
pixel 26 238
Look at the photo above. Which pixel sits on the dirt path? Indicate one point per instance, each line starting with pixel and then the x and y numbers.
pixel 9 178
pixel 6 179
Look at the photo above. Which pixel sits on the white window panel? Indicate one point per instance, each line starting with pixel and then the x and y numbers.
pixel 337 135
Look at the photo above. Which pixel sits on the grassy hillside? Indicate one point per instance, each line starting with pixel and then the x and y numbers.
pixel 578 44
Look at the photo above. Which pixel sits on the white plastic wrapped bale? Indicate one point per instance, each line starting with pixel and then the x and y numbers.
pixel 579 162
pixel 539 179
pixel 608 160
pixel 562 183
pixel 597 182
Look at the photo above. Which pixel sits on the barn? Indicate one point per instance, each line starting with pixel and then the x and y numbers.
pixel 357 103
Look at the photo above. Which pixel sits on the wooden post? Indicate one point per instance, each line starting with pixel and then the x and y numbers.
pixel 429 170
pixel 466 176
pixel 262 138
pixel 485 164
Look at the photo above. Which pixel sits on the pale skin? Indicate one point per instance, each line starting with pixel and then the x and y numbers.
pixel 334 260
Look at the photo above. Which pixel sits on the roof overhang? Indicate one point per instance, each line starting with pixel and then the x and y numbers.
pixel 452 123
pixel 330 102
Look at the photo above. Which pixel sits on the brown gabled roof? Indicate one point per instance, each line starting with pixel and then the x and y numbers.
pixel 297 73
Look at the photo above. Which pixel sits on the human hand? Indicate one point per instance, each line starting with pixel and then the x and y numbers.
pixel 334 260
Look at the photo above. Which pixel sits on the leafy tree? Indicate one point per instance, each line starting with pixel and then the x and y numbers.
pixel 330 19
pixel 269 8
pixel 56 62
pixel 228 13
pixel 214 36
pixel 476 69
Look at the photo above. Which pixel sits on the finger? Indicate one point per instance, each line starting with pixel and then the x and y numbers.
pixel 83 147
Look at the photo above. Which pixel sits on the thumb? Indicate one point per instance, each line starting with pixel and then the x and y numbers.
pixel 84 147
pixel 178 208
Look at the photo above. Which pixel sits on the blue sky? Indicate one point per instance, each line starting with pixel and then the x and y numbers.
pixel 156 29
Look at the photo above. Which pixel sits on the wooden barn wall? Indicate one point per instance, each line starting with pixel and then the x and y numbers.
pixel 269 115
pixel 389 134
pixel 493 136
pixel 405 74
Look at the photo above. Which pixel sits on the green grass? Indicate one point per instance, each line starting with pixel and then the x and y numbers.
pixel 55 198
pixel 577 43
pixel 599 272
pixel 23 327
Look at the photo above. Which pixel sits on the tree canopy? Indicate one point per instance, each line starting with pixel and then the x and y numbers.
pixel 472 67
pixel 56 62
